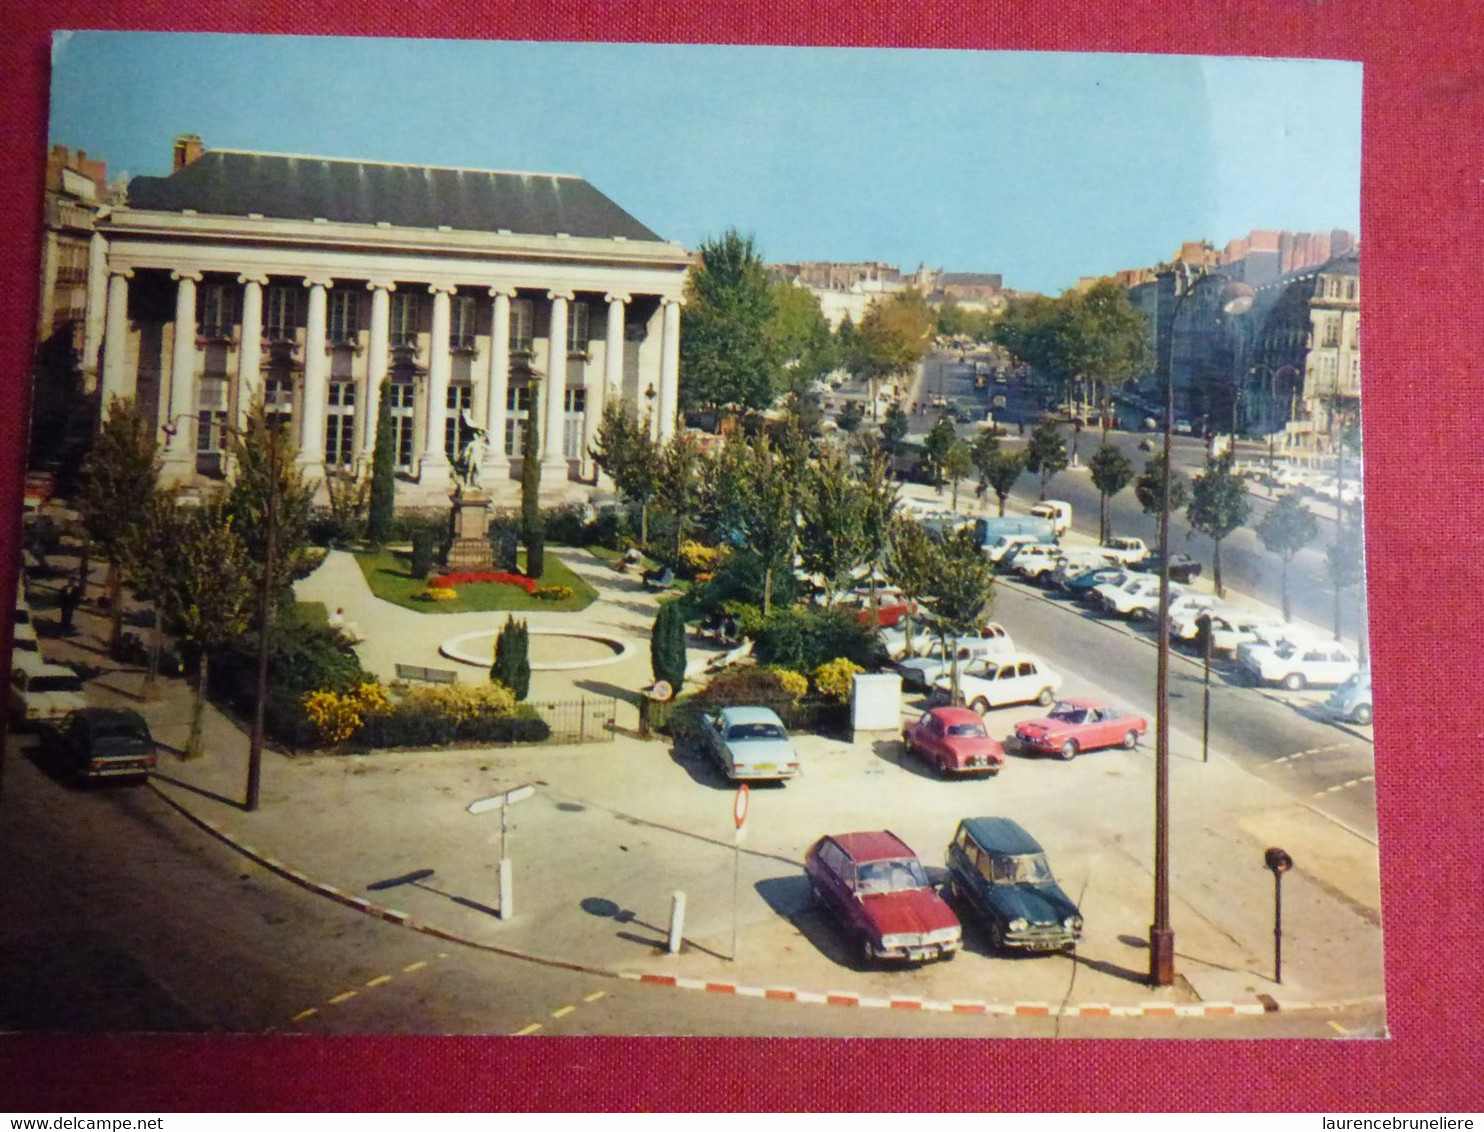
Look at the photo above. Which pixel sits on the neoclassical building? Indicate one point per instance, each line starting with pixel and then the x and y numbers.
pixel 304 281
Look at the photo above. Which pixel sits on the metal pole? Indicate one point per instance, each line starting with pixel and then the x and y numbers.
pixel 677 922
pixel 1278 926
pixel 736 882
pixel 265 623
pixel 507 873
pixel 1206 708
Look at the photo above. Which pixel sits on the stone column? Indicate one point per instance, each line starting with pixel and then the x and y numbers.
pixel 378 354
pixel 497 463
pixel 434 466
pixel 669 371
pixel 316 379
pixel 250 353
pixel 553 462
pixel 116 339
pixel 180 437
pixel 92 338
pixel 610 383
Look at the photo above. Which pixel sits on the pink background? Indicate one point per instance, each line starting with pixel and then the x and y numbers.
pixel 1424 420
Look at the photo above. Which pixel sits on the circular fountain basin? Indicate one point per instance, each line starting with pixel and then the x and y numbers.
pixel 552 650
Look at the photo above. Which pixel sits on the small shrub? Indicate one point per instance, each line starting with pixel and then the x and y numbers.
pixel 750 684
pixel 794 683
pixel 552 593
pixel 804 638
pixel 337 716
pixel 833 680
pixel 512 666
pixel 667 645
pixel 697 558
pixel 423 544
pixel 436 593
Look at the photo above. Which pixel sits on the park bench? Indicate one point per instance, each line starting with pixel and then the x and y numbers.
pixel 427 675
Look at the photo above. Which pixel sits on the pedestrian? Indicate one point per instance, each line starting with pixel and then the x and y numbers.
pixel 69 601
pixel 1020 424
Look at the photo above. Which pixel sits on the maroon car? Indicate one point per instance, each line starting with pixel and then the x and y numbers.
pixel 953 740
pixel 1081 725
pixel 877 888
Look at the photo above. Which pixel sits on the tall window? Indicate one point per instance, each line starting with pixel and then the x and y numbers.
pixel 1355 374
pixel 577 328
pixel 1352 288
pixel 402 329
pixel 522 325
pixel 461 322
pixel 215 310
pixel 403 423
pixel 211 415
pixel 517 405
pixel 344 317
pixel 278 402
pixel 340 425
pixel 1331 330
pixel 456 433
pixel 576 402
pixel 280 313
pixel 1355 335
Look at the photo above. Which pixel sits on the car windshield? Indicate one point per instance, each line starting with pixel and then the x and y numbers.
pixel 755 731
pixel 1031 869
pixel 1069 713
pixel 971 729
pixel 55 684
pixel 890 876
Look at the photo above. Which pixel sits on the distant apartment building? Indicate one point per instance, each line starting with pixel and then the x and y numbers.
pixel 846 290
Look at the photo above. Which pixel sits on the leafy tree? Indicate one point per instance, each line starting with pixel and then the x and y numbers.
pixel 957 463
pixel 1030 328
pixel 1150 488
pixel 876 519
pixel 961 592
pixel 678 484
pixel 205 590
pixel 851 417
pixel 512 666
pixel 264 456
pixel 1001 473
pixel 1218 506
pixel 1345 558
pixel 833 540
pixel 936 445
pixel 1112 471
pixel 844 337
pixel 1103 337
pixel 983 453
pixel 893 429
pixel 1285 530
pixel 624 449
pixel 533 525
pixel 119 480
pixel 667 645
pixel 912 563
pixel 801 336
pixel 383 471
pixel 891 339
pixel 756 507
pixel 727 354
pixel 1046 454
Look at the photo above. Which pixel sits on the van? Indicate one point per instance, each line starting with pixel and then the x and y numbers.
pixel 1058 511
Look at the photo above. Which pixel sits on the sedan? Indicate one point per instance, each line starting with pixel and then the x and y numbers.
pixel 999 872
pixel 749 743
pixel 1073 726
pixel 877 888
pixel 97 743
pixel 998 681
pixel 953 741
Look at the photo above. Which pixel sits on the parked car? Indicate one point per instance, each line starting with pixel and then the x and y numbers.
pixel 1125 550
pixel 1036 562
pixel 749 743
pixel 886 613
pixel 1351 701
pixel 1229 628
pixel 1012 555
pixel 953 740
pixel 1183 568
pixel 1057 510
pixel 1000 547
pixel 877 888
pixel 97 743
pixel 1192 605
pixel 1073 726
pixel 994 682
pixel 1296 664
pixel 999 873
pixel 1083 585
pixel 923 670
pixel 40 691
pixel 1138 596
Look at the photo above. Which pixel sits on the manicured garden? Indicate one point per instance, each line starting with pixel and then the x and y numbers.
pixel 389 574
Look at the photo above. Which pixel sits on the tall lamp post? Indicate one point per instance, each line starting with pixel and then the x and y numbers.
pixel 1235 298
pixel 265 604
pixel 1272 423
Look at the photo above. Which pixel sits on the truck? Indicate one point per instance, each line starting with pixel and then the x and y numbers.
pixel 988 531
pixel 1057 510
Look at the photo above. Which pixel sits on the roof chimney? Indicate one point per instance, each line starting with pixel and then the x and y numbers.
pixel 188 147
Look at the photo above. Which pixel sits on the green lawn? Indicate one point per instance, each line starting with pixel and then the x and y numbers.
pixel 387 574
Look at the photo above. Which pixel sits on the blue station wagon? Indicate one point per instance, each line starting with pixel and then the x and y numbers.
pixel 999 873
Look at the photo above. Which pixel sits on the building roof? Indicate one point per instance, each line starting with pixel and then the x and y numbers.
pixel 227 182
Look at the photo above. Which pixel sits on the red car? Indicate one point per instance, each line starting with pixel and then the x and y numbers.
pixel 1081 725
pixel 887 613
pixel 953 740
pixel 877 888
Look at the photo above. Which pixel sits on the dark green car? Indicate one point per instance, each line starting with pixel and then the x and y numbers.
pixel 998 873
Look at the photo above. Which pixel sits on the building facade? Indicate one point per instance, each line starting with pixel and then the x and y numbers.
pixel 304 282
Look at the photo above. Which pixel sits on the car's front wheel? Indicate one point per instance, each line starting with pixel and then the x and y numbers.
pixel 1294 681
pixel 868 954
pixel 1069 749
pixel 996 936
pixel 1046 698
pixel 1361 715
pixel 1130 740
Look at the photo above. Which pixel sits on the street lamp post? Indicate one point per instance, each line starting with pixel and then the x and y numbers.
pixel 1235 298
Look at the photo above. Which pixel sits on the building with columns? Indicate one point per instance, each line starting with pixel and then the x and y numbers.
pixel 305 281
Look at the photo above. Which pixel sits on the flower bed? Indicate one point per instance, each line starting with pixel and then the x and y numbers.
pixel 461 578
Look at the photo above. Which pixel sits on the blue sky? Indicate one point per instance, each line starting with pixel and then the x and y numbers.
pixel 1040 166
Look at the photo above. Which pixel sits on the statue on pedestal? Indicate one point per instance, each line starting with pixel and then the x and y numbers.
pixel 471 458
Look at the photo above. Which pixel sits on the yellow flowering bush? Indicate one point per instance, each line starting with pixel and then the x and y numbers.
pixel 833 678
pixel 337 716
pixel 437 593
pixel 552 593
pixel 697 557
pixel 795 684
pixel 463 702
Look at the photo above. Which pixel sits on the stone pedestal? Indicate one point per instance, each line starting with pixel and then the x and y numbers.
pixel 471 549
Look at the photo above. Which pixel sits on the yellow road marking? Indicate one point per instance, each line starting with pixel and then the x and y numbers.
pixel 339 998
pixel 594 996
pixel 379 980
pixel 419 965
pixel 563 1012
pixel 531 1029
pixel 299 1017
pixel 1338 1027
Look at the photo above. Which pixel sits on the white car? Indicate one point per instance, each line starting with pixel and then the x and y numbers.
pixel 1137 597
pixel 1192 605
pixel 1012 557
pixel 40 691
pixel 1005 543
pixel 1230 628
pixel 1035 561
pixel 992 682
pixel 923 670
pixel 1296 664
pixel 1126 551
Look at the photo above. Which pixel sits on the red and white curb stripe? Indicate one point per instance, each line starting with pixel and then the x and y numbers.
pixel 965 1006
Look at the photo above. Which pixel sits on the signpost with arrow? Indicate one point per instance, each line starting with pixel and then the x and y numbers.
pixel 503 802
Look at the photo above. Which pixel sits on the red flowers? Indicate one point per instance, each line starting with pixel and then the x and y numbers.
pixel 477 576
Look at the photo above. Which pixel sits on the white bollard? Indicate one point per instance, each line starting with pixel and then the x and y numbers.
pixel 507 888
pixel 677 921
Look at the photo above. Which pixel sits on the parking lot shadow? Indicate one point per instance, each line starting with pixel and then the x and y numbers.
pixel 790 897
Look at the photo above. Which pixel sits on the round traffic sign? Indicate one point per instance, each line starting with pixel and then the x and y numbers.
pixel 739 805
